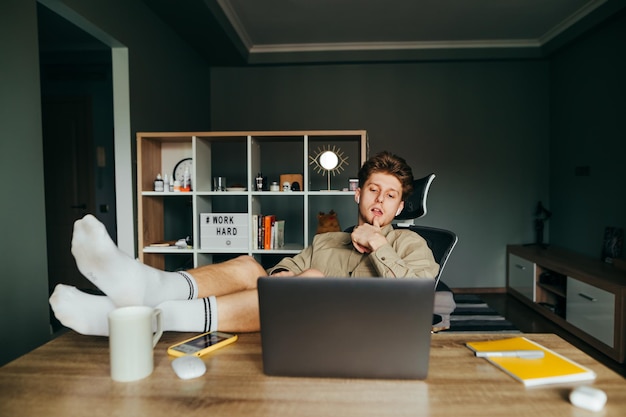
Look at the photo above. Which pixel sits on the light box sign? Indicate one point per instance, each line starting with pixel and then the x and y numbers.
pixel 224 231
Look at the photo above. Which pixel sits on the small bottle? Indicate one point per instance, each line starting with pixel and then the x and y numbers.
pixel 176 186
pixel 186 185
pixel 158 183
pixel 166 184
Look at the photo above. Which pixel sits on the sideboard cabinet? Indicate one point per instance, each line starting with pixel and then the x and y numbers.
pixel 585 296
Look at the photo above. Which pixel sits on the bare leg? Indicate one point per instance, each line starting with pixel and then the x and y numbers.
pixel 229 277
pixel 239 312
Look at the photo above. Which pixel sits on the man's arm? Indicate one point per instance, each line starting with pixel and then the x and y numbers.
pixel 307 273
pixel 406 255
pixel 296 264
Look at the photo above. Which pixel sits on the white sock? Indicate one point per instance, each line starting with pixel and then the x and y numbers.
pixel 125 280
pixel 82 312
pixel 199 315
pixel 88 314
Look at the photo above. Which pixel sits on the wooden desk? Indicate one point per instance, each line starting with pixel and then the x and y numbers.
pixel 70 377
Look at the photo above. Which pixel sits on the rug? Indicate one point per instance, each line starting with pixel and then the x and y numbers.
pixel 472 314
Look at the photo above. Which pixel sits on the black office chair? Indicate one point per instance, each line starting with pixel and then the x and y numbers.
pixel 440 241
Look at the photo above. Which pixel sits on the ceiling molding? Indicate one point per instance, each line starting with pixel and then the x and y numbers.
pixel 394 46
pixel 570 21
pixel 235 22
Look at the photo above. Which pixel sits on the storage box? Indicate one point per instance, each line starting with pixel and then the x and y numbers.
pixel 224 231
pixel 291 179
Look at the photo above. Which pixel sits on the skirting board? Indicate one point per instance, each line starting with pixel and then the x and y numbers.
pixel 484 290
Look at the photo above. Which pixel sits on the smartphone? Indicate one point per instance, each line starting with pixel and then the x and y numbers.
pixel 202 344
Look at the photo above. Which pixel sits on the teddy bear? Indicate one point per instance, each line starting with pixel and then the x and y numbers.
pixel 327 222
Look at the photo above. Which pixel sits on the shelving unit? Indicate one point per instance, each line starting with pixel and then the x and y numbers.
pixel 239 156
pixel 584 296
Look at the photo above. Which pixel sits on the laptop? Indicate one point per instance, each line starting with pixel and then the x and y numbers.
pixel 346 327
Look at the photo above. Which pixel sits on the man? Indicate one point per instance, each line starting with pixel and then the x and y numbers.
pixel 223 296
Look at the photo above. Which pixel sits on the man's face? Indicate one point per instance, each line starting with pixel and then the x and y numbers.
pixel 379 198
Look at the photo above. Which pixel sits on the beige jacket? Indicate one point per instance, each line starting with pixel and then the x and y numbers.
pixel 406 255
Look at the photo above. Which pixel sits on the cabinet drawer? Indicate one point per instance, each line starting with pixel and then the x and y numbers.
pixel 522 276
pixel 591 309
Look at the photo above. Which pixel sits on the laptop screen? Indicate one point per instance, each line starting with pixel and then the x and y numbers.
pixel 346 327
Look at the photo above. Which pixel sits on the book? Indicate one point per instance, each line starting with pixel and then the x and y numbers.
pixel 260 233
pixel 163 244
pixel 279 234
pixel 255 231
pixel 267 232
pixel 268 221
pixel 552 368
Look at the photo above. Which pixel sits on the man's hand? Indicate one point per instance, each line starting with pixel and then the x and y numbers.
pixel 366 238
pixel 308 273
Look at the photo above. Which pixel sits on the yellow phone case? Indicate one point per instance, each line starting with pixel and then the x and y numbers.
pixel 179 350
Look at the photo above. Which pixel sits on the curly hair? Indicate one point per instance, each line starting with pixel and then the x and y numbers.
pixel 388 163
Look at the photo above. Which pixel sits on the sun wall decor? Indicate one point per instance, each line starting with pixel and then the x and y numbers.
pixel 327 160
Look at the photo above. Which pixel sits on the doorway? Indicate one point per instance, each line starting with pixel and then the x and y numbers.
pixel 78 139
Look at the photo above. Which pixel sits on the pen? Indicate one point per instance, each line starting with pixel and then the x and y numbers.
pixel 524 354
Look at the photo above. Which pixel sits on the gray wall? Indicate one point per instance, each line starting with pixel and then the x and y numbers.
pixel 169 91
pixel 24 322
pixel 482 127
pixel 588 82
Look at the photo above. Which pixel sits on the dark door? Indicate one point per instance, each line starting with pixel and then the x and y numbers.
pixel 69 178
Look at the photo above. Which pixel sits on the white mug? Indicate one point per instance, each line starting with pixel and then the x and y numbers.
pixel 132 341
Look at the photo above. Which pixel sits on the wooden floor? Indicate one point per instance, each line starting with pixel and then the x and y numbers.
pixel 529 321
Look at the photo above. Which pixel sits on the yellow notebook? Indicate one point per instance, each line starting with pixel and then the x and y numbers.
pixel 552 368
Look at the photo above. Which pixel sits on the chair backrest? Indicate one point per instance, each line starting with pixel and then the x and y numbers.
pixel 440 241
pixel 415 204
